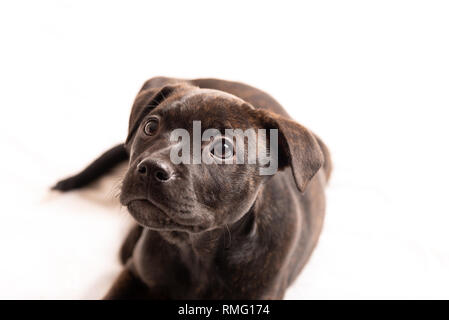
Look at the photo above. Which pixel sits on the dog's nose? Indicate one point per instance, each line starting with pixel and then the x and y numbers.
pixel 156 169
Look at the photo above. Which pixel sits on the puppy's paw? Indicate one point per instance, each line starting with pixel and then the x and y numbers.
pixel 66 184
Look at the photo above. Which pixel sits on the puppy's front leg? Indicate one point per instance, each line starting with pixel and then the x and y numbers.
pixel 128 286
pixel 95 170
pixel 128 245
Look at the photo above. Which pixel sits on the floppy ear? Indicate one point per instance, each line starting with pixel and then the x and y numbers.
pixel 148 99
pixel 297 148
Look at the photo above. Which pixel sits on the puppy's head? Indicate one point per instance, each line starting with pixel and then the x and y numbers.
pixel 186 173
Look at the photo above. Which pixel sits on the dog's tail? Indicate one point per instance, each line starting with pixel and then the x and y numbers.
pixel 327 166
pixel 95 170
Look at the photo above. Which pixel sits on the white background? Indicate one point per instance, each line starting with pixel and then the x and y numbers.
pixel 370 77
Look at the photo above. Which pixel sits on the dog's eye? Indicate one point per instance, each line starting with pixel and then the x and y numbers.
pixel 222 149
pixel 151 127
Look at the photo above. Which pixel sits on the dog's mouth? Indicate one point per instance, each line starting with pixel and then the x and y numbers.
pixel 152 216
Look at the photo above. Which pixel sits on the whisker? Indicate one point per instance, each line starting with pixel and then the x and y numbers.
pixel 230 237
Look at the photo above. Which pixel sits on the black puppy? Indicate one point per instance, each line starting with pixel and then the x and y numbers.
pixel 213 231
